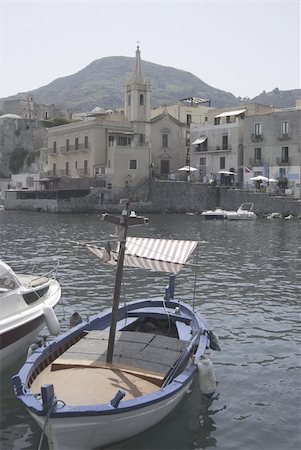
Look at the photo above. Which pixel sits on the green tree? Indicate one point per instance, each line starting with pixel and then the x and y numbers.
pixel 17 159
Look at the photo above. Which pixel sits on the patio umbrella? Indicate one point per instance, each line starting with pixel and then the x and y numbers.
pixel 226 172
pixel 259 178
pixel 273 180
pixel 188 169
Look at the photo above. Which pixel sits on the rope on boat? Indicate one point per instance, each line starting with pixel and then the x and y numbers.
pixel 50 409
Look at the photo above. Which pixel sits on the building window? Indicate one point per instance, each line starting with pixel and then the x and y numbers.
pixel 284 154
pixel 76 146
pixel 165 140
pixel 54 147
pixel 75 164
pixel 258 129
pixel 222 162
pixel 129 99
pixel 54 169
pixel 202 161
pixel 188 119
pixel 111 141
pixel 66 168
pixel 133 164
pixel 86 142
pixel 228 119
pixel 164 167
pixel 141 139
pixel 225 142
pixel 85 166
pixel 285 128
pixel 141 99
pixel 257 155
pixel 122 140
pixel 67 145
pixel 217 120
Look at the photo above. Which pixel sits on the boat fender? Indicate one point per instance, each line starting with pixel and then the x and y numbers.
pixel 36 344
pixel 206 376
pixel 116 400
pixel 75 319
pixel 51 320
pixel 214 341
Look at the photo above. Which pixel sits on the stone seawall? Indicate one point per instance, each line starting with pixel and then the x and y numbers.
pixel 181 197
pixel 167 197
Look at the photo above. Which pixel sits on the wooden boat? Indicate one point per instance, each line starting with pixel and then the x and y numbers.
pixel 125 369
pixel 26 306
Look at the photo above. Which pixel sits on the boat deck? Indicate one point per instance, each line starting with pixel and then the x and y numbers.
pixel 140 362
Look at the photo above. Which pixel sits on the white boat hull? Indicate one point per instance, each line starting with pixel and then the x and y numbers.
pixel 20 323
pixel 10 354
pixel 84 433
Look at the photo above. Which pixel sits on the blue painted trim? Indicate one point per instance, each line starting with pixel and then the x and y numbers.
pixel 101 321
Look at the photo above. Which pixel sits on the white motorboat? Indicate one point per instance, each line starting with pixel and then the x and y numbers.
pixel 26 305
pixel 244 212
pixel 120 372
pixel 216 214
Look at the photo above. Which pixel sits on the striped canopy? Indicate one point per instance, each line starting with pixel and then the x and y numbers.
pixel 161 255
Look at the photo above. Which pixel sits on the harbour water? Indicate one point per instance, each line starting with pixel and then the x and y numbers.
pixel 248 285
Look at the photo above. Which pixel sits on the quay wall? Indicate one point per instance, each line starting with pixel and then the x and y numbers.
pixel 165 197
pixel 181 197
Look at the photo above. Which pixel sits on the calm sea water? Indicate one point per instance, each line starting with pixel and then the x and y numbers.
pixel 249 288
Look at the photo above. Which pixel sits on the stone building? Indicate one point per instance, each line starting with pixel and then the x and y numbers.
pixel 27 107
pixel 249 141
pixel 17 133
pixel 119 151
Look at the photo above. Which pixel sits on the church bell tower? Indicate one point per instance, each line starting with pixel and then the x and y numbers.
pixel 137 101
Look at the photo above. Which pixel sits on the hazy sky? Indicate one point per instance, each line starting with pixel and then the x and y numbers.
pixel 242 46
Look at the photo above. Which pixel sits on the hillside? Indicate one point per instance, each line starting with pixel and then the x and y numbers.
pixel 101 83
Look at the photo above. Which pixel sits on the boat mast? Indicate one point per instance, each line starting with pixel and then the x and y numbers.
pixel 125 221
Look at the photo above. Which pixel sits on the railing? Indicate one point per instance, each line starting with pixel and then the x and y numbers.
pixel 213 149
pixel 257 137
pixel 284 137
pixel 83 172
pixel 283 161
pixel 72 148
pixel 256 161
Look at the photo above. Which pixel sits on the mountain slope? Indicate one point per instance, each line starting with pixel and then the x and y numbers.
pixel 102 82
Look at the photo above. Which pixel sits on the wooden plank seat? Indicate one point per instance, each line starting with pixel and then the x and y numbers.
pixel 134 352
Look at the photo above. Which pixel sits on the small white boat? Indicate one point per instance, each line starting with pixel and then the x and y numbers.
pixel 216 214
pixel 244 212
pixel 26 304
pixel 122 371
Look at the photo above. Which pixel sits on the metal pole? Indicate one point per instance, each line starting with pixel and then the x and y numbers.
pixel 117 289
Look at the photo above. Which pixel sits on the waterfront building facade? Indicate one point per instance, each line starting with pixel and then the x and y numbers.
pixel 249 141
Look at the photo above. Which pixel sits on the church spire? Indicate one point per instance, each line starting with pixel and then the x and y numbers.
pixel 137 76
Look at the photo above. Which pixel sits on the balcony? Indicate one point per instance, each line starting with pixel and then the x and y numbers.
pixel 256 161
pixel 51 152
pixel 257 137
pixel 283 161
pixel 213 150
pixel 284 137
pixel 75 148
pixel 83 172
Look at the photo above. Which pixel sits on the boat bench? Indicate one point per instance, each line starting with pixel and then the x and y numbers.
pixel 139 352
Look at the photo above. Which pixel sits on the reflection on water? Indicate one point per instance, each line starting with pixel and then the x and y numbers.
pixel 248 286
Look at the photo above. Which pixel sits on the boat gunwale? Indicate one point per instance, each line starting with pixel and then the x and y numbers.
pixel 43 357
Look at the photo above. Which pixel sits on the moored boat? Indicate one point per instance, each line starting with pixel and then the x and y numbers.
pixel 215 214
pixel 244 212
pixel 122 371
pixel 26 306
